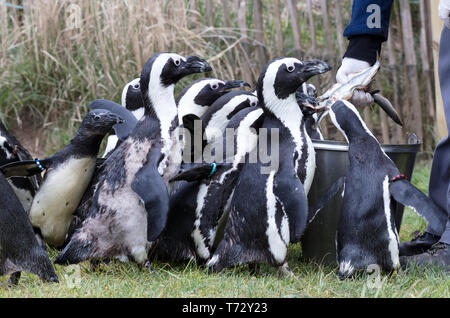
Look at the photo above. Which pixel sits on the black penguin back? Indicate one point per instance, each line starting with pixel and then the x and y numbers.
pixel 20 250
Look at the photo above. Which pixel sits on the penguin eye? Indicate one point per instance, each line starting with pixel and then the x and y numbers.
pixel 253 103
pixel 177 62
pixel 290 68
pixel 136 86
pixel 215 86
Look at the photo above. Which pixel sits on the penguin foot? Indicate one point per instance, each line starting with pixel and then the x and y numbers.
pixel 285 272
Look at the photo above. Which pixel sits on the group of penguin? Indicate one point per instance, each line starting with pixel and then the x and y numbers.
pixel 153 195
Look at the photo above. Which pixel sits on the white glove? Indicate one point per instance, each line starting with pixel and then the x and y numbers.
pixel 344 74
pixel 444 12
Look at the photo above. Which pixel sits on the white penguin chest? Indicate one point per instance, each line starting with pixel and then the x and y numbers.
pixel 310 163
pixel 59 196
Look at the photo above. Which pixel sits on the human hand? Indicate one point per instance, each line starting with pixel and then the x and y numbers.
pixel 350 66
pixel 444 12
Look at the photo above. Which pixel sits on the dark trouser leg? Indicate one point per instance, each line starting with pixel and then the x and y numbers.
pixel 439 186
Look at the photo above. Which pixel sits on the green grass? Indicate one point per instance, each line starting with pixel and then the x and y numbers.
pixel 191 280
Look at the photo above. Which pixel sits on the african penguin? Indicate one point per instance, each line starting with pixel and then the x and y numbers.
pixel 196 98
pixel 216 118
pixel 197 208
pixel 132 101
pixel 193 101
pixel 121 132
pixel 212 124
pixel 130 203
pixel 366 231
pixel 269 206
pixel 10 151
pixel 19 248
pixel 68 173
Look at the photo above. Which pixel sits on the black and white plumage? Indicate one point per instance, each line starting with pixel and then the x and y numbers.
pixel 196 98
pixel 121 132
pixel 10 151
pixel 133 102
pixel 193 102
pixel 19 248
pixel 68 173
pixel 216 119
pixel 130 203
pixel 198 208
pixel 211 126
pixel 269 208
pixel 366 231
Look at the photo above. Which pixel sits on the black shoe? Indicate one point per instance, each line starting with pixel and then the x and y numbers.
pixel 418 245
pixel 438 255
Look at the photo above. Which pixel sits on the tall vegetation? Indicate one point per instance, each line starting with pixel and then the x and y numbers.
pixel 57 56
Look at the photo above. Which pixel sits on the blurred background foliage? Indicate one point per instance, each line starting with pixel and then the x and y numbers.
pixel 58 56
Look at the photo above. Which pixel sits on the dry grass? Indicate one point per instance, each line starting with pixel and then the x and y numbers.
pixel 53 64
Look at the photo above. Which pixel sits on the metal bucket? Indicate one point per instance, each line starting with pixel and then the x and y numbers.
pixel 318 241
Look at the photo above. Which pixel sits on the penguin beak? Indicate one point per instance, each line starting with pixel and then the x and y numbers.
pixel 310 68
pixel 194 64
pixel 234 84
pixel 307 101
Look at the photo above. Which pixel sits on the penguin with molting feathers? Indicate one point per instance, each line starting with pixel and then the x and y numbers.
pixel 131 201
pixel 68 173
pixel 269 206
pixel 121 132
pixel 133 102
pixel 198 209
pixel 19 248
pixel 366 231
pixel 193 101
pixel 10 151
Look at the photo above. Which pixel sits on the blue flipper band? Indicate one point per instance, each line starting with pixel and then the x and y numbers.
pixel 214 166
pixel 39 164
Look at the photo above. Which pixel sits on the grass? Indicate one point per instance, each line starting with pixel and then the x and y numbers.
pixel 191 280
pixel 50 72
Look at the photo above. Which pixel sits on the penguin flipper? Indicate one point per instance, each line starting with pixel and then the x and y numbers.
pixel 324 198
pixel 407 194
pixel 24 168
pixel 292 195
pixel 150 187
pixel 129 121
pixel 198 173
